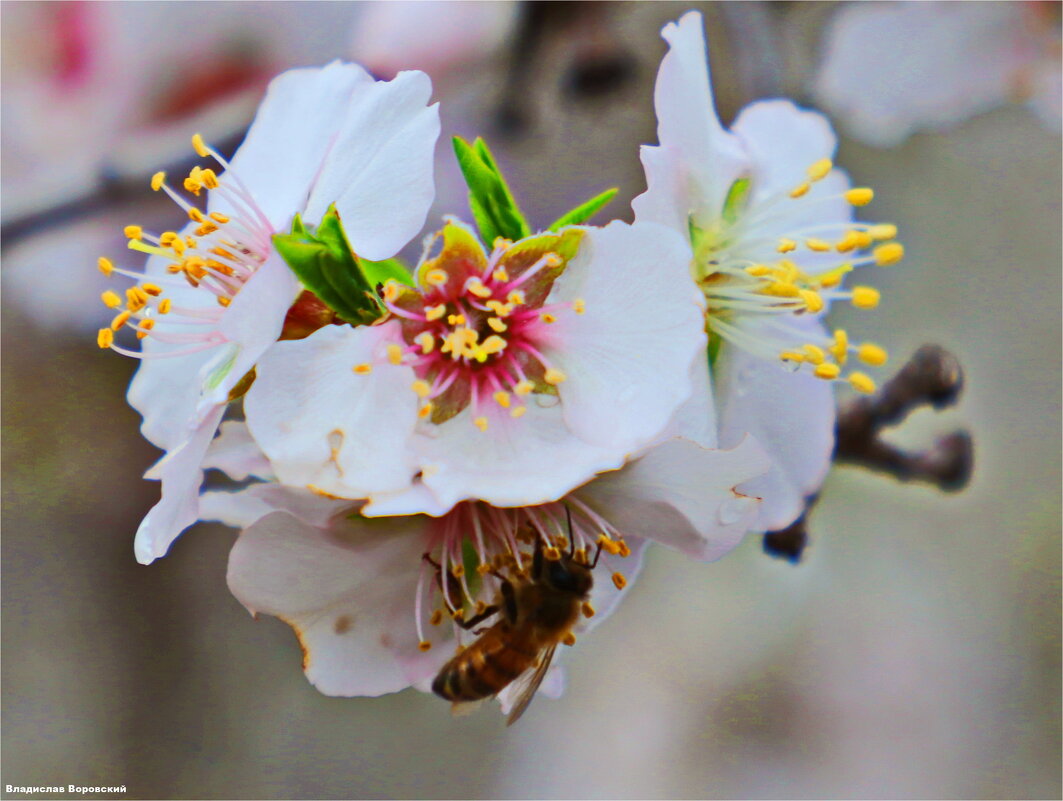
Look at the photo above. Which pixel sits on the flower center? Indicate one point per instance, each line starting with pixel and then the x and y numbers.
pixel 748 299
pixel 218 258
pixel 475 547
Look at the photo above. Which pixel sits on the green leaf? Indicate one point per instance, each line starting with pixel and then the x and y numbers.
pixel 492 204
pixel 326 265
pixel 584 211
pixel 737 199
pixel 380 272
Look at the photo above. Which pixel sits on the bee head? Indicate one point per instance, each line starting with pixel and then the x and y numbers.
pixel 568 575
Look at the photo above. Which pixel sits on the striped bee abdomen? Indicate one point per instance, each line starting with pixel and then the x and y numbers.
pixel 484 668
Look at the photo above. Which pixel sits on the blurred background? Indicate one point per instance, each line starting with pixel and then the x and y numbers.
pixel 915 650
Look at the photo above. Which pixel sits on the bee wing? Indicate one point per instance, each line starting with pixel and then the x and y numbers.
pixel 527 683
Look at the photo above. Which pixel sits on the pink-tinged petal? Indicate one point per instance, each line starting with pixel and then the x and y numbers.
pixel 251 323
pixel 235 453
pixel 297 124
pixel 323 425
pixel 687 125
pixel 791 414
pixel 521 462
pixel 241 508
pixel 628 357
pixel 181 471
pixel 379 170
pixel 347 591
pixel 414 500
pixel 891 69
pixel 683 496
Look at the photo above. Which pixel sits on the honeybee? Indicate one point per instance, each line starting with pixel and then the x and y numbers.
pixel 537 613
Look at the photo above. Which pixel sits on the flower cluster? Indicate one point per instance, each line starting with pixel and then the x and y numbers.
pixel 476 451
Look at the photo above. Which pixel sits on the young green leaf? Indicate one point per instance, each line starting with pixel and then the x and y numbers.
pixel 492 204
pixel 584 211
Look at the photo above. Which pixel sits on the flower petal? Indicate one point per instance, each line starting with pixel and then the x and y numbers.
pixel 296 125
pixel 236 454
pixel 687 126
pixel 347 591
pixel 683 496
pixel 181 471
pixel 379 170
pixel 243 507
pixel 323 425
pixel 792 417
pixel 628 357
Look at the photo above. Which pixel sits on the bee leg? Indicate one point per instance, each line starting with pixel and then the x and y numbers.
pixel 597 553
pixel 509 601
pixel 571 539
pixel 451 581
pixel 477 619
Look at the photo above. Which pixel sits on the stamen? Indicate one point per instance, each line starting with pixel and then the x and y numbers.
pixel 394 354
pixel 861 383
pixel 111 299
pixel 888 254
pixel 105 338
pixel 619 581
pixel 363 369
pixel 106 265
pixel 860 196
pixel 553 376
pixel 865 297
pixel 157 181
pixel 872 354
pixel 819 170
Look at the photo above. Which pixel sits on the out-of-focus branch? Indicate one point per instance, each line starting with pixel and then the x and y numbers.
pixel 932 377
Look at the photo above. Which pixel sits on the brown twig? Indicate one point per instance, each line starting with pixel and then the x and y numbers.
pixel 932 377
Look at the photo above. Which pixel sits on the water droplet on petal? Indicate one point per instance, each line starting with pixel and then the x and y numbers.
pixel 734 509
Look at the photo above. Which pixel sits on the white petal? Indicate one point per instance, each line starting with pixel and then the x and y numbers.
pixel 181 471
pixel 695 420
pixel 707 159
pixel 415 499
pixel 605 597
pixel 791 415
pixel 321 424
pixel 682 495
pixel 893 68
pixel 522 462
pixel 236 454
pixel 295 126
pixel 349 594
pixel 628 358
pixel 243 507
pixel 379 171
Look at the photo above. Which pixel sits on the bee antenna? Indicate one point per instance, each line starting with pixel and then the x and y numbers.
pixel 571 539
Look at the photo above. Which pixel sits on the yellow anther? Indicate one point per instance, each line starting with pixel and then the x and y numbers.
pixel 425 410
pixel 622 549
pixel 157 180
pixel 865 297
pixel 483 569
pixel 496 325
pixel 500 274
pixel 860 196
pixel 133 232
pixel 120 319
pixel 435 312
pixel 882 231
pixel 458 571
pixel 480 423
pixel 218 217
pixel 887 254
pixel 813 302
pixel 569 639
pixel 846 243
pixel 502 399
pixel 792 356
pixel 145 326
pixel 547 318
pixel 476 286
pixel 554 376
pixel 363 369
pixel 872 354
pixel 552 553
pixel 209 178
pixel 105 338
pixel 136 298
pixel 861 383
pixel 800 190
pixel 782 289
pixel 516 298
pixel 195 215
pixel 436 618
pixel 206 229
pixel 785 246
pixel 588 610
pixel 834 277
pixel 815 354
pixel 820 170
pixel 862 239
pixel 424 645
pixel 394 353
pixel 518 411
pixel 111 299
pixel 523 388
pixel 105 265
pixel 199 146
pixel 493 344
pixel 758 270
pixel 500 308
pixel 436 277
pixel 152 289
pixel 224 301
pixel 840 349
pixel 827 370
pixel 579 305
pixel 426 341
pixel 422 388
pixel 619 581
pixel 164 306
pixel 818 245
pixel 192 185
pixel 608 544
